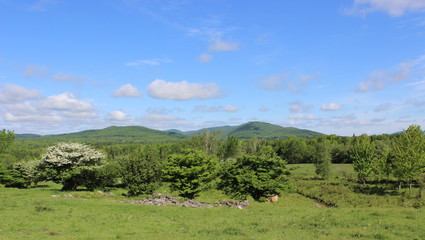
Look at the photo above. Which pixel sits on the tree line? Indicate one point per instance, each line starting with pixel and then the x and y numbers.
pixel 240 168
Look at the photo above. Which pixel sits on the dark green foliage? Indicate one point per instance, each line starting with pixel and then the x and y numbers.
pixel 258 176
pixel 341 150
pixel 141 171
pixel 294 150
pixel 22 175
pixel 190 172
pixel 90 177
pixel 230 148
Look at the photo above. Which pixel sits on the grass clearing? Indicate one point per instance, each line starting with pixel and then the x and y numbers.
pixel 34 214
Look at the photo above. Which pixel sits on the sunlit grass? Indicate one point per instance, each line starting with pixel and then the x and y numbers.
pixel 35 214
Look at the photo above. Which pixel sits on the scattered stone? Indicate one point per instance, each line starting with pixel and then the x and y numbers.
pixel 158 199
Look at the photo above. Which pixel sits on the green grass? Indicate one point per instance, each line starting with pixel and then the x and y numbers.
pixel 34 214
pixel 337 170
pixel 341 189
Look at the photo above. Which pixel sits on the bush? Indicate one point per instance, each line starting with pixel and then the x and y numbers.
pixel 22 175
pixel 141 171
pixel 190 172
pixel 258 176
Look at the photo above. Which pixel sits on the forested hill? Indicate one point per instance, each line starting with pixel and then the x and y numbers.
pixel 269 131
pixel 138 134
pixel 111 135
pixel 259 130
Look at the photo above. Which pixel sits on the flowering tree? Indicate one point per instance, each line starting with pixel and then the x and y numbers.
pixel 73 165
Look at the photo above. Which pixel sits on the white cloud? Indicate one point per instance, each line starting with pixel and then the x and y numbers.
pixel 228 108
pixel 68 78
pixel 14 93
pixel 127 90
pixel 149 62
pixel 161 121
pixel 221 46
pixel 381 78
pixel 263 109
pixel 183 90
pixel 53 114
pixel 33 118
pixel 302 117
pixel 283 82
pixel 299 107
pixel 66 102
pixel 231 108
pixel 331 107
pixel 394 8
pixel 383 107
pixel 35 71
pixel 273 83
pixel 117 116
pixel 415 103
pixel 205 58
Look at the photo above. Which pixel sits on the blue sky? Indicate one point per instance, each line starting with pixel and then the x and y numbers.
pixel 336 67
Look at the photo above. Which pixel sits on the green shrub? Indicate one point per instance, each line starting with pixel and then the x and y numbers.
pixel 190 172
pixel 258 176
pixel 141 171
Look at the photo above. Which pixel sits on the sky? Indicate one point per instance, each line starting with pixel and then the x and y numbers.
pixel 338 67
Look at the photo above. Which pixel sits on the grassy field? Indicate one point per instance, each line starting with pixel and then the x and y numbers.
pixel 35 214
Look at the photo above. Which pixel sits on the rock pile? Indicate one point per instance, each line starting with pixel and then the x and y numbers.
pixel 164 199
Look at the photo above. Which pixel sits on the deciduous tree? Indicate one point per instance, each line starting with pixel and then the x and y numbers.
pixel 362 155
pixel 409 155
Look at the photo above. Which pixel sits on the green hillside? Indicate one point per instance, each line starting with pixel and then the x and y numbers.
pixel 143 135
pixel 222 129
pixel 26 136
pixel 269 131
pixel 113 135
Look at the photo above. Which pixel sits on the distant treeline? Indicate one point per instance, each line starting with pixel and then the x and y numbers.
pixel 373 157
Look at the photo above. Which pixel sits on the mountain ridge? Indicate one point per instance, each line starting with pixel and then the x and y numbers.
pixel 142 134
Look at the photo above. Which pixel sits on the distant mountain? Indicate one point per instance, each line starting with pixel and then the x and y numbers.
pixel 260 130
pixel 112 135
pixel 138 134
pixel 269 131
pixel 222 129
pixel 26 136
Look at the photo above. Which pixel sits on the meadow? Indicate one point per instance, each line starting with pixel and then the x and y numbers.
pixel 34 214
